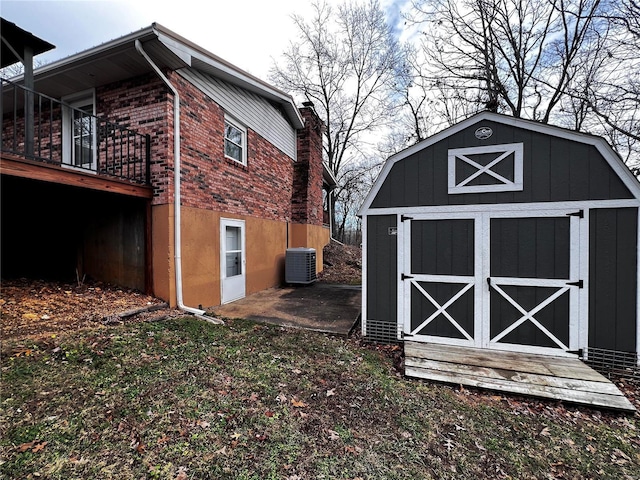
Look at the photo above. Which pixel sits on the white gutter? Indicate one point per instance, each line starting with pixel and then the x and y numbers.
pixel 176 182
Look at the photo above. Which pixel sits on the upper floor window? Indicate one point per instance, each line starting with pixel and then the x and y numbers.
pixel 235 141
pixel 79 131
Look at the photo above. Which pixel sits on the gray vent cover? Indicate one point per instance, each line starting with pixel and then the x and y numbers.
pixel 300 265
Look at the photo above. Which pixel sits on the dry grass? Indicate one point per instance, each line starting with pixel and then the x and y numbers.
pixel 185 399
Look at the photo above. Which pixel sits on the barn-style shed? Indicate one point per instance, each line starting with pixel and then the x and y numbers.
pixel 507 235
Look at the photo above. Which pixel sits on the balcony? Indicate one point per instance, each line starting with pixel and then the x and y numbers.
pixel 41 130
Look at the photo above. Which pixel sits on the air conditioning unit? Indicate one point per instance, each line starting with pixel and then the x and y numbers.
pixel 300 265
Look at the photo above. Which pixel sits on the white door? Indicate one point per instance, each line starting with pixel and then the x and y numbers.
pixel 441 280
pixel 533 282
pixel 232 260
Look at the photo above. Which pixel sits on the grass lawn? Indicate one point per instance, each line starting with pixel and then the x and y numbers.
pixel 184 399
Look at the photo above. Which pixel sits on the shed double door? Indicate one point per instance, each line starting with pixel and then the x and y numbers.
pixel 498 280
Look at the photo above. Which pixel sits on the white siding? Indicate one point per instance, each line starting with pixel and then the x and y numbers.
pixel 253 111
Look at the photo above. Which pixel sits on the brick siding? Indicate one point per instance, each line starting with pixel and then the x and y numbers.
pixel 271 186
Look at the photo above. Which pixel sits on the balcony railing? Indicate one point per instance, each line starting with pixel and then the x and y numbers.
pixel 40 128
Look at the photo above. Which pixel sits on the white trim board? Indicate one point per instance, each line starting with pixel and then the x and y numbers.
pixel 516 208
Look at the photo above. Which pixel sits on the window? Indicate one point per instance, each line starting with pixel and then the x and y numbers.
pixel 79 131
pixel 235 141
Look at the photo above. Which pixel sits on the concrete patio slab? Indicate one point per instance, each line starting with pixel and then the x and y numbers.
pixel 319 307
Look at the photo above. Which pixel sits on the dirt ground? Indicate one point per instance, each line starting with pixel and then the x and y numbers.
pixel 36 308
pixel 342 264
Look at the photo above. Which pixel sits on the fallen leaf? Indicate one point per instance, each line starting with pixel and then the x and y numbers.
pixel 282 398
pixel 39 447
pixel 350 449
pixel 331 393
pixel 298 403
pixel 222 451
pixel 140 447
pixel 162 440
pixel 269 413
pixel 545 432
pixel 333 435
pixel 26 446
pixel 203 424
pixel 29 316
pixel 591 449
pixel 236 436
pixel 254 397
pixel 182 474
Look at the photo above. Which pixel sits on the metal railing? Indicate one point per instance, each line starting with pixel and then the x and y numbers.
pixel 43 129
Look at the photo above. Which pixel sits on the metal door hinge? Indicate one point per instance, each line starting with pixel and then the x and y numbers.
pixel 578 284
pixel 579 214
pixel 404 277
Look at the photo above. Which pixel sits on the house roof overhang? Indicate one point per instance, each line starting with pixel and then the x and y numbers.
pixel 118 60
pixel 328 179
pixel 612 158
pixel 14 42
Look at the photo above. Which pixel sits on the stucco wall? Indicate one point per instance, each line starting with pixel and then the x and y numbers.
pixel 266 244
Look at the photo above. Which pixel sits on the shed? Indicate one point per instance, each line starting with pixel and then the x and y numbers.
pixel 504 234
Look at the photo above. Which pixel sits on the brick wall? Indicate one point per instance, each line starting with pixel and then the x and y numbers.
pixel 306 203
pixel 144 104
pixel 266 187
pixel 211 181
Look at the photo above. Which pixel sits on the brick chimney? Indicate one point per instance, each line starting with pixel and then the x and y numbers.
pixel 306 202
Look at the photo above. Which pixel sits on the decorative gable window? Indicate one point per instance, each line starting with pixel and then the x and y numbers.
pixel 491 168
pixel 235 141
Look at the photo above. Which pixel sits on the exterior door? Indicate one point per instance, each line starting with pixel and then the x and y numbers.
pixel 440 283
pixel 497 280
pixel 232 260
pixel 533 283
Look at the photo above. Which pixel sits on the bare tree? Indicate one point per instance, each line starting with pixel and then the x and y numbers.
pixel 516 55
pixel 571 62
pixel 614 95
pixel 345 62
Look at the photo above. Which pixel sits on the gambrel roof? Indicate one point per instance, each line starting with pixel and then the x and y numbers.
pixel 457 138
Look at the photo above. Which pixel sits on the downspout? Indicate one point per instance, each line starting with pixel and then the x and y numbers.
pixel 176 182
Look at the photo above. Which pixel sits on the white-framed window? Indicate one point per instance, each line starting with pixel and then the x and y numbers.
pixel 79 135
pixel 491 168
pixel 235 141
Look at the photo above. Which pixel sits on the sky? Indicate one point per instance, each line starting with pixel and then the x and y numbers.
pixel 250 34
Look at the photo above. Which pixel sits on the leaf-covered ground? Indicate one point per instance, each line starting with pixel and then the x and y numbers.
pixel 185 399
pixel 37 308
